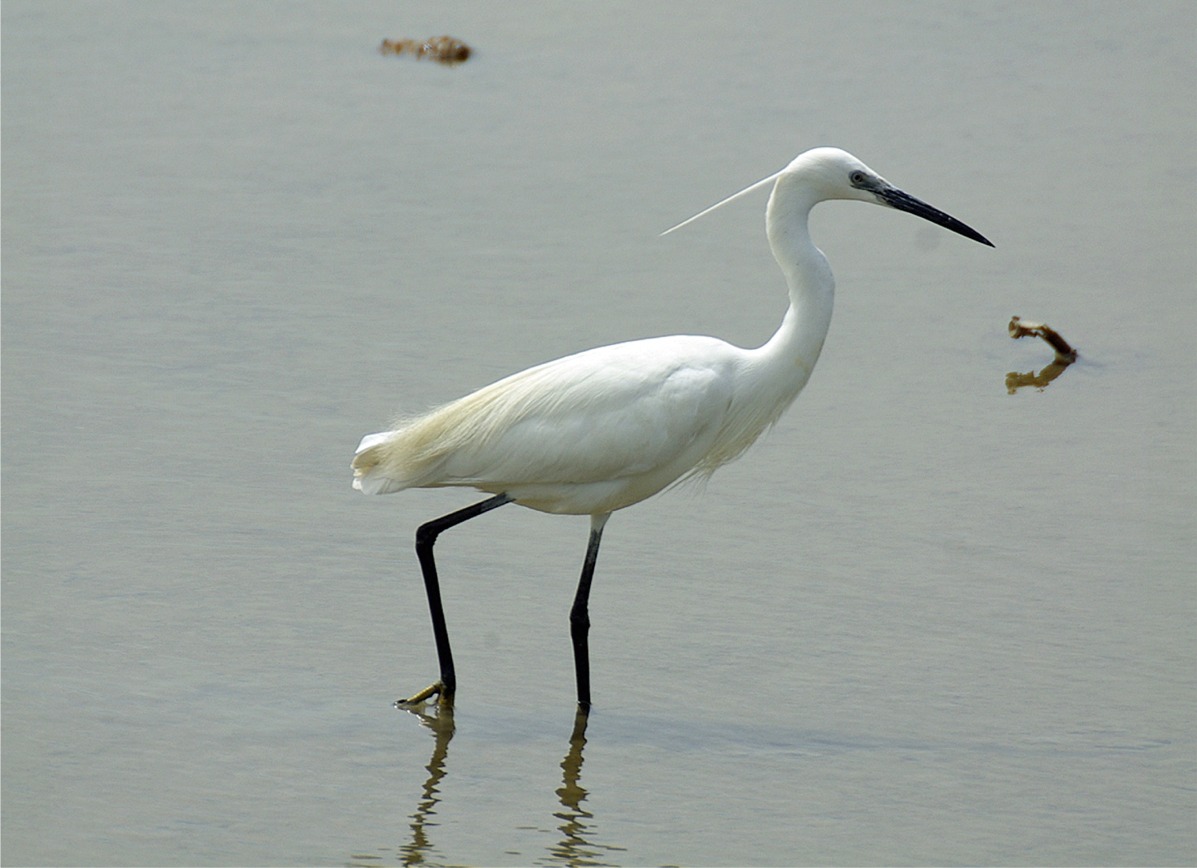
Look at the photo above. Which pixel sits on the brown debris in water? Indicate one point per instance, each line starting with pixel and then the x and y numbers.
pixel 1065 355
pixel 1020 328
pixel 442 49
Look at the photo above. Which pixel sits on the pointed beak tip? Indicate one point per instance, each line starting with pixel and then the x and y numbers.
pixel 981 239
pixel 903 201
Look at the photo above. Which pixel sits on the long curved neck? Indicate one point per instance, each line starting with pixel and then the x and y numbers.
pixel 791 353
pixel 772 375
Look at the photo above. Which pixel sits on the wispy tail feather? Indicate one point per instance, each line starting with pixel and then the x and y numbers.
pixel 367 475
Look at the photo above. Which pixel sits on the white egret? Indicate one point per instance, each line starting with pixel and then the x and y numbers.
pixel 606 428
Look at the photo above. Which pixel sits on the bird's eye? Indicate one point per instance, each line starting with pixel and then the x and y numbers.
pixel 857 178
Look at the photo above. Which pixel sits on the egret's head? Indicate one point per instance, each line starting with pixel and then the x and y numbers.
pixel 830 173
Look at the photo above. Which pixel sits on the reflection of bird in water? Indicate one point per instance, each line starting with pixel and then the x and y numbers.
pixel 603 429
pixel 575 847
pixel 421 847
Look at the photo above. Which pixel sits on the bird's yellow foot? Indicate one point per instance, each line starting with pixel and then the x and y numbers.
pixel 444 699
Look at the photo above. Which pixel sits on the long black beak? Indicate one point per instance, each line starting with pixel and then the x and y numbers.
pixel 895 198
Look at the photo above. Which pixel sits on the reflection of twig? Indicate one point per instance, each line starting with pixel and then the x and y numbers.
pixel 1016 381
pixel 1021 329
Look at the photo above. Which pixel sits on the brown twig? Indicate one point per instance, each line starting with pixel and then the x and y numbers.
pixel 1020 328
pixel 442 49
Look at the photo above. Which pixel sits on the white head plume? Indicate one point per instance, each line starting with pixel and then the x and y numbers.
pixel 762 182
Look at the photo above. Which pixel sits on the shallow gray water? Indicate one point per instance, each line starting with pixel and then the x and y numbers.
pixel 924 621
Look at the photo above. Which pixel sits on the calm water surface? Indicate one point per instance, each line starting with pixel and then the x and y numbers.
pixel 925 621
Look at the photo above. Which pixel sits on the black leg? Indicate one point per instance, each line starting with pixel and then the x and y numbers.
pixel 425 540
pixel 579 615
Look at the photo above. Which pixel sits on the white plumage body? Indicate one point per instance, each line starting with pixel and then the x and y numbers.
pixel 600 430
pixel 586 434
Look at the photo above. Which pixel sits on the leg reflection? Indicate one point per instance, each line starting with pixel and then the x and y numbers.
pixel 576 847
pixel 421 848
